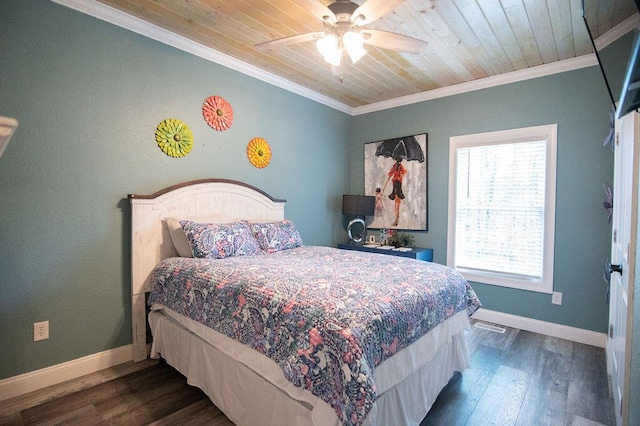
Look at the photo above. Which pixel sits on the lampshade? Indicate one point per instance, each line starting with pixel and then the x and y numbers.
pixel 327 44
pixel 329 49
pixel 358 205
pixel 334 58
pixel 353 44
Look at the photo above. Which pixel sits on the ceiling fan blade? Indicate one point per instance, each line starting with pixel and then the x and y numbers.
pixel 371 10
pixel 318 10
pixel 284 41
pixel 393 41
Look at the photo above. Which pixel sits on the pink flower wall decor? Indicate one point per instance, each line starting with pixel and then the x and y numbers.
pixel 217 112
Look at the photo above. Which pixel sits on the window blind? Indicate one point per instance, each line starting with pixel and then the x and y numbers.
pixel 500 208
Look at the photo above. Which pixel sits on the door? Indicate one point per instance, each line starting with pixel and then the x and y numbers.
pixel 622 258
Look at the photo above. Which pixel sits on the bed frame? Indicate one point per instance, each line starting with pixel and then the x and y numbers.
pixel 151 242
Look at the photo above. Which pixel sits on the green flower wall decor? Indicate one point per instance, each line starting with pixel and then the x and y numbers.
pixel 174 137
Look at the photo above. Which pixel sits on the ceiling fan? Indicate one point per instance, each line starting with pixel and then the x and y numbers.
pixel 343 31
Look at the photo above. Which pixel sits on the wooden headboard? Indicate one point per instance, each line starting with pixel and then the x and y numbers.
pixel 151 242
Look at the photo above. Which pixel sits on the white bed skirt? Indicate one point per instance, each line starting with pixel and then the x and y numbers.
pixel 251 389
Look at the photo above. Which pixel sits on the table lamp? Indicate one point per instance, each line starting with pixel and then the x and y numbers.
pixel 359 206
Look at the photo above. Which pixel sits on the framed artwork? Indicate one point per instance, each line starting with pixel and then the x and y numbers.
pixel 395 172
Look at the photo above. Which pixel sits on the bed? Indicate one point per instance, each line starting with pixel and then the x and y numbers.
pixel 286 334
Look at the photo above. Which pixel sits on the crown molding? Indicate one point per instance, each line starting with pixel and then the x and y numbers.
pixel 126 21
pixel 470 86
pixel 629 24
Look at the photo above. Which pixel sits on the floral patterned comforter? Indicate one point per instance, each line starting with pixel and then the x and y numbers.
pixel 327 317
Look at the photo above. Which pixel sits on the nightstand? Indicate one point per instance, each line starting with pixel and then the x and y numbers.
pixel 419 253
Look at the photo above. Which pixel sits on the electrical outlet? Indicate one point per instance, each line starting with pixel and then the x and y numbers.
pixel 40 331
pixel 556 298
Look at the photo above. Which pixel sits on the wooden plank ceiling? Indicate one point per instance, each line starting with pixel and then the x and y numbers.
pixel 467 39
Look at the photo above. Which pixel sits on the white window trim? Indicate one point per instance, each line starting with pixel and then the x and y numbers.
pixel 545 132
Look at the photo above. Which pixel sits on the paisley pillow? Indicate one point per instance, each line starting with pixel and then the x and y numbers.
pixel 276 236
pixel 178 237
pixel 220 240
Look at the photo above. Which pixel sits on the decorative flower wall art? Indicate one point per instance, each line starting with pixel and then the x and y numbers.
pixel 259 152
pixel 174 137
pixel 217 112
pixel 612 128
pixel 608 203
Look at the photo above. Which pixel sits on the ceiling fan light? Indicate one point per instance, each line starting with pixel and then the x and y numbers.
pixel 353 43
pixel 356 53
pixel 327 45
pixel 334 58
pixel 352 39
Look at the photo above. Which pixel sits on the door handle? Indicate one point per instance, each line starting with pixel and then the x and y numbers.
pixel 615 268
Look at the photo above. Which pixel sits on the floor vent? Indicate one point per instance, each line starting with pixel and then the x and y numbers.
pixel 490 327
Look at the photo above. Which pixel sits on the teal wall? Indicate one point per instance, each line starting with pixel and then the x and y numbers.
pixel 579 103
pixel 89 96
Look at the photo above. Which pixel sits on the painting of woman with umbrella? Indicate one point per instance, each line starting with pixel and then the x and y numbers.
pixel 396 173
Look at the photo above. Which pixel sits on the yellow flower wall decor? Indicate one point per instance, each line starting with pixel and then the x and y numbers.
pixel 174 137
pixel 259 152
pixel 217 112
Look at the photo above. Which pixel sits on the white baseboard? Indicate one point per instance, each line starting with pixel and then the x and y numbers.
pixel 573 334
pixel 40 379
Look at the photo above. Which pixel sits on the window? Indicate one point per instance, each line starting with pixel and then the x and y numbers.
pixel 502 207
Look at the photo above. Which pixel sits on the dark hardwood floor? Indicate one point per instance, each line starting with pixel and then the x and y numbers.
pixel 516 378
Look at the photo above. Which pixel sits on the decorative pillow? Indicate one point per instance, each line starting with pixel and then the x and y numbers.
pixel 276 236
pixel 220 240
pixel 178 237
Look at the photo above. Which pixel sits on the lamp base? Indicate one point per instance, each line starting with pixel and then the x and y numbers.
pixel 358 238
